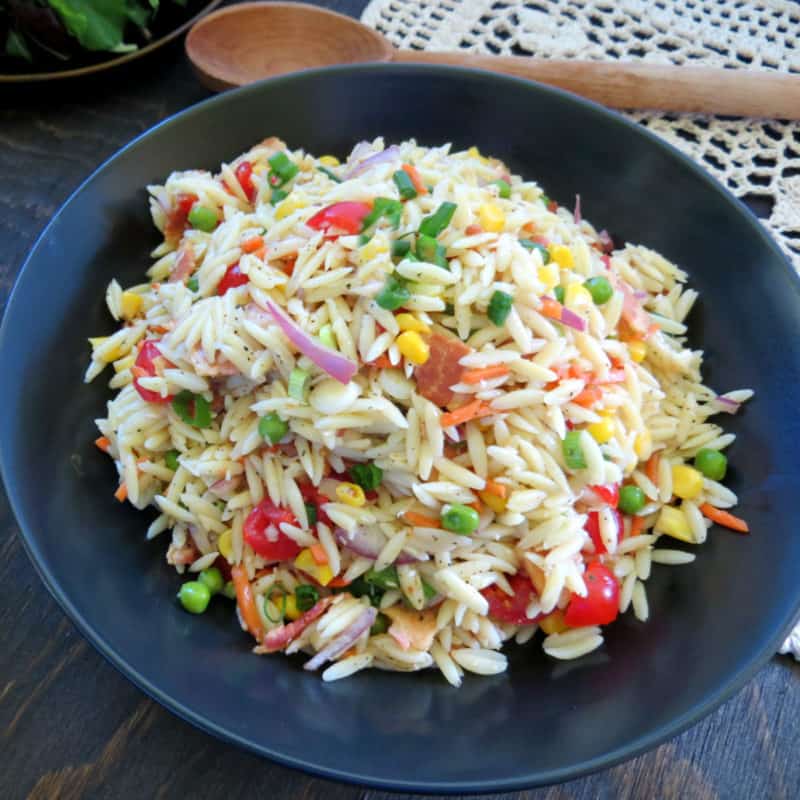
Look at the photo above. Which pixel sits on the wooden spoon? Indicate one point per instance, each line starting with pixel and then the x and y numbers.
pixel 251 41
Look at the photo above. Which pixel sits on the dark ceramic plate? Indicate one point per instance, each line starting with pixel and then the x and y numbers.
pixel 171 22
pixel 714 623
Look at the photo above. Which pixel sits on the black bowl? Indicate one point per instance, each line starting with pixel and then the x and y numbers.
pixel 714 623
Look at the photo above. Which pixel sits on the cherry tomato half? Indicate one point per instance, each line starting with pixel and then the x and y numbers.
pixel 244 174
pixel 592 527
pixel 608 494
pixel 266 514
pixel 232 278
pixel 344 217
pixel 178 214
pixel 511 609
pixel 311 494
pixel 145 366
pixel 601 604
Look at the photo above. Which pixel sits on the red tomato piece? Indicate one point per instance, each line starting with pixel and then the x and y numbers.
pixel 232 278
pixel 145 366
pixel 509 609
pixel 435 377
pixel 311 494
pixel 178 214
pixel 592 527
pixel 344 217
pixel 601 604
pixel 244 174
pixel 608 494
pixel 264 516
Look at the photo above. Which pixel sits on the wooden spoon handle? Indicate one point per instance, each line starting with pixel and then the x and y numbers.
pixel 619 84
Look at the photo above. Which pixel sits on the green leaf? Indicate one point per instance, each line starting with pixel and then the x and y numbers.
pixel 17 47
pixel 100 24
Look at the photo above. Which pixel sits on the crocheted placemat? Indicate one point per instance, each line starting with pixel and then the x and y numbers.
pixel 754 158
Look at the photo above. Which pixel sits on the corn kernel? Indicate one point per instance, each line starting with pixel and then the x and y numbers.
pixel 130 305
pixel 687 482
pixel 491 217
pixel 643 445
pixel 672 522
pixel 351 494
pixel 329 161
pixel 548 275
pixel 413 347
pixel 497 504
pixel 602 431
pixel 562 255
pixel 475 153
pixel 225 546
pixel 289 206
pixel 292 612
pixel 408 322
pixel 577 296
pixel 374 247
pixel 554 623
pixel 321 573
pixel 637 349
pixel 121 364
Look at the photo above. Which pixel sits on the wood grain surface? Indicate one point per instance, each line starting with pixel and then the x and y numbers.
pixel 72 727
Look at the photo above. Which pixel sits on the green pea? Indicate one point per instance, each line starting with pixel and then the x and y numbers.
pixel 171 459
pixel 194 597
pixel 600 289
pixel 572 450
pixel 711 463
pixel 213 579
pixel 203 218
pixel 559 294
pixel 229 590
pixel 272 427
pixel 504 188
pixel 631 500
pixel 460 519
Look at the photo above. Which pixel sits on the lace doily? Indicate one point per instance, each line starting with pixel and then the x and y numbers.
pixel 753 158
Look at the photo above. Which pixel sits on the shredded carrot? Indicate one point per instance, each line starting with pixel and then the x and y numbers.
pixel 588 397
pixel 654 328
pixel 381 362
pixel 122 493
pixel 338 582
pixel 103 443
pixel 477 505
pixel 252 244
pixel 260 573
pixel 473 410
pixel 484 374
pixel 261 252
pixel 412 173
pixel 473 230
pixel 159 328
pixel 651 468
pixel 551 308
pixel 420 520
pixel 637 525
pixel 497 489
pixel 247 602
pixel 318 554
pixel 288 266
pixel 724 518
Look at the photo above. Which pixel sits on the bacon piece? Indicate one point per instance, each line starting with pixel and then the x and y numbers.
pixel 184 265
pixel 278 638
pixel 435 377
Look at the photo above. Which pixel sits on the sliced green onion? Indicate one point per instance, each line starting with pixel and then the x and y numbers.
pixel 367 476
pixel 394 294
pixel 311 513
pixel 277 195
pixel 327 336
pixel 438 221
pixel 500 307
pixel 401 247
pixel 404 185
pixel 529 244
pixel 306 597
pixel 428 591
pixel 203 218
pixel 364 238
pixel 573 452
pixel 428 249
pixel 276 587
pixel 333 176
pixel 283 170
pixel 384 579
pixel 229 590
pixel 559 294
pixel 383 207
pixel 192 284
pixel 171 459
pixel 381 625
pixel 193 409
pixel 545 199
pixel 503 188
pixel 299 380
pixel 272 427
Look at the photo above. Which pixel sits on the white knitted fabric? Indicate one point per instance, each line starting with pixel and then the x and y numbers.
pixel 751 157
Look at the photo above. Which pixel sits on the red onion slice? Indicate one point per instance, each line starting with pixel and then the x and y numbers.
pixel 335 364
pixel 344 640
pixel 571 319
pixel 367 544
pixel 278 638
pixel 725 405
pixel 389 154
pixel 576 214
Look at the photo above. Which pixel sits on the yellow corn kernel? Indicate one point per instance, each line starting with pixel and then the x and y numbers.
pixel 321 573
pixel 548 275
pixel 687 482
pixel 577 296
pixel 562 255
pixel 413 347
pixel 374 247
pixel 672 522
pixel 292 612
pixel 643 445
pixel 638 350
pixel 121 364
pixel 329 161
pixel 408 322
pixel 289 206
pixel 475 153
pixel 554 622
pixel 351 494
pixel 491 217
pixel 602 431
pixel 225 546
pixel 497 504
pixel 131 304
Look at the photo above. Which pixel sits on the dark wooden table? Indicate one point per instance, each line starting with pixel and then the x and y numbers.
pixel 71 726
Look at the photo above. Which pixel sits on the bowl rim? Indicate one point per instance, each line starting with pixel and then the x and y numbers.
pixel 712 701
